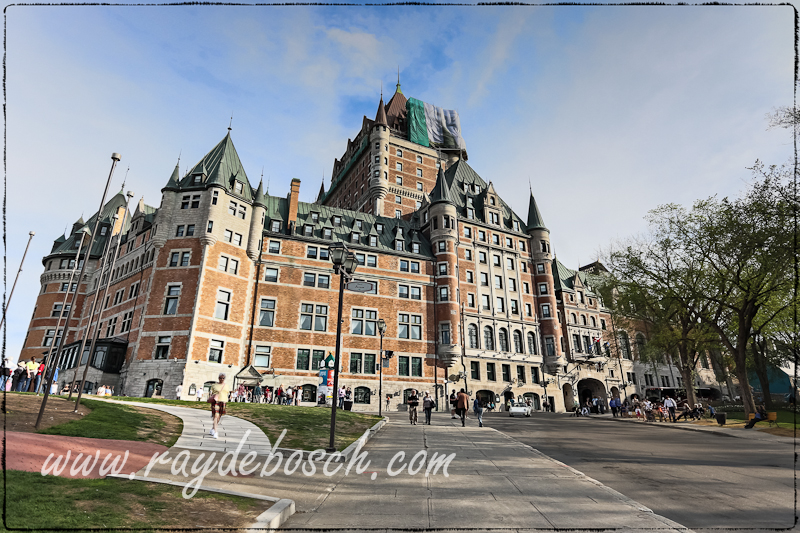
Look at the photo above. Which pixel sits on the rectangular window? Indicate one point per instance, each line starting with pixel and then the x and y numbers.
pixel 271 274
pixel 514 307
pixel 232 209
pixel 179 231
pixel 550 346
pixel 402 291
pixel 475 370
pixel 495 239
pixel 266 314
pixel 442 294
pixel 444 330
pixel 195 201
pixel 369 364
pixel 111 327
pixel 416 293
pixel 399 167
pixel 509 242
pixel 470 300
pixel 274 247
pixel 216 350
pixel 185 202
pixel 500 304
pixel 545 310
pixel 490 372
pixel 372 261
pixel 540 268
pixel 512 285
pixel 316 358
pixel 275 226
pixel 302 359
pixel 534 375
pixel 190 230
pixel 498 282
pixel 355 363
pixel 528 310
pixel 162 347
pixel 576 343
pixel 402 365
pixel 509 263
pixel 171 302
pixel 127 318
pixel 223 306
pixel 403 265
pixel 185 259
pixel 482 257
pixel 364 322
pixel 262 356
pixel 521 373
pixel 485 302
pixel 470 277
pixel 506 372
pixel 314 314
pixel 228 235
pixel 442 269
pixel 210 226
pixel 237 239
pixel 174 257
pixel 496 261
pixel 215 198
pixel 416 366
pixel 309 280
pixel 410 327
pixel 414 267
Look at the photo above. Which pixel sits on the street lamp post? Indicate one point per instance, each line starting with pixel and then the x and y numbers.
pixel 14 286
pixel 344 264
pixel 381 330
pixel 545 383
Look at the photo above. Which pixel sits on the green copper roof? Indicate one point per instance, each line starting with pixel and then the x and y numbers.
pixel 459 174
pixel 221 166
pixel 174 180
pixel 564 278
pixel 535 220
pixel 260 198
pixel 69 246
pixel 441 191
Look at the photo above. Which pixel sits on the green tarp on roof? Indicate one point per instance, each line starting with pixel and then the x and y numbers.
pixel 417 128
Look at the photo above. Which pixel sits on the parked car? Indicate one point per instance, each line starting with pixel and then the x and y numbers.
pixel 520 409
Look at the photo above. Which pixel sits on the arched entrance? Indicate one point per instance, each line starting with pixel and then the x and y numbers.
pixel 153 388
pixel 508 399
pixel 569 397
pixel 614 392
pixel 590 388
pixel 309 393
pixel 485 396
pixel 535 400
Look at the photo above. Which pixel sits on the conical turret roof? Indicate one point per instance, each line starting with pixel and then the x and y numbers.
pixel 441 191
pixel 380 116
pixel 260 198
pixel 224 168
pixel 174 180
pixel 535 220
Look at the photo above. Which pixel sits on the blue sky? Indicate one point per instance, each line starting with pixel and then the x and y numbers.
pixel 607 110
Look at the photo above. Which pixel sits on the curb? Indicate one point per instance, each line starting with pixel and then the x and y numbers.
pixel 616 494
pixel 180 484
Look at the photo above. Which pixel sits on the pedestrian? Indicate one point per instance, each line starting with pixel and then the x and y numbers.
pixel 613 406
pixel 477 407
pixel 16 376
pixel 462 406
pixel 257 392
pixel 178 391
pixel 760 416
pixel 341 397
pixel 279 395
pixel 296 395
pixel 427 407
pixel 388 399
pixel 199 393
pixel 5 374
pixel 670 404
pixel 413 402
pixel 39 374
pixel 217 397
pixel 453 401
pixel 109 391
pixel 241 393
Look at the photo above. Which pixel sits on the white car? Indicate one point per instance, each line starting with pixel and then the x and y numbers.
pixel 520 410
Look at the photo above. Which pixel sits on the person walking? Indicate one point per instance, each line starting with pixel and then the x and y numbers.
pixel 5 375
pixel 199 393
pixel 462 406
pixel 257 393
pixel 217 397
pixel 388 399
pixel 178 391
pixel 39 374
pixel 453 401
pixel 341 397
pixel 427 407
pixel 477 406
pixel 670 404
pixel 413 402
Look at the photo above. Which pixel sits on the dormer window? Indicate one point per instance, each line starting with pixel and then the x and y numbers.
pixel 103 231
pixel 495 218
pixel 275 226
pixel 314 217
pixel 327 233
pixel 238 187
pixel 470 213
pixel 476 188
pixel 308 230
pixel 373 240
pixel 196 179
pixel 355 237
pixel 379 227
pixel 337 221
pixel 399 231
pixel 358 224
pixel 492 201
pixel 398 245
pixel 415 247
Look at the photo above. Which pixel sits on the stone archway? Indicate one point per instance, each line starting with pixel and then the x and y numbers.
pixel 614 392
pixel 589 388
pixel 569 397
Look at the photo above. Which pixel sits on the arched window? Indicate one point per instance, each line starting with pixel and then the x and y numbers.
pixel 361 395
pixel 502 336
pixel 573 318
pixel 583 319
pixel 472 333
pixel 153 388
pixel 639 344
pixel 488 338
pixel 532 344
pixel 624 345
pixel 594 322
pixel 518 348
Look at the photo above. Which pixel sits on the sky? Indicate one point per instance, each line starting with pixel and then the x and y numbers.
pixel 607 111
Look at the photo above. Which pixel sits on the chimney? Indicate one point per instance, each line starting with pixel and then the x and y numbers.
pixel 294 194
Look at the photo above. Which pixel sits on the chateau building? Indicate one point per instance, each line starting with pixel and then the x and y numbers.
pixel 222 277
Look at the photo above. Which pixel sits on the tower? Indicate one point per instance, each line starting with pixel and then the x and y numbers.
pixel 257 222
pixel 444 238
pixel 379 165
pixel 543 278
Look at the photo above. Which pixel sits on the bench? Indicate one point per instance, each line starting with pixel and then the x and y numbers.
pixel 772 417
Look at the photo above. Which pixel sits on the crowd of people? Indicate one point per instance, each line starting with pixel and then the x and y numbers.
pixel 646 410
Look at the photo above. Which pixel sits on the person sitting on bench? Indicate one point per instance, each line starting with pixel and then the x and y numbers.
pixel 760 416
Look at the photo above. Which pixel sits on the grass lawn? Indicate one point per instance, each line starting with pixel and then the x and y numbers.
pixel 786 421
pixel 114 421
pixel 44 502
pixel 308 427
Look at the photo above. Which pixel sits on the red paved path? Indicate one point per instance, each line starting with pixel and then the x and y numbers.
pixel 28 452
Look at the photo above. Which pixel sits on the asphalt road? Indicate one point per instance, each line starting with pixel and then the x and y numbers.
pixel 699 480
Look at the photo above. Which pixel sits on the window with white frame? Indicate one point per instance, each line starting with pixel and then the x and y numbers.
pixel 127 318
pixel 215 351
pixel 470 300
pixel 500 304
pixel 223 306
pixel 363 322
pixel 313 315
pixel 528 310
pixel 171 301
pixel 266 313
pixel 262 356
pixel 162 347
pixel 410 327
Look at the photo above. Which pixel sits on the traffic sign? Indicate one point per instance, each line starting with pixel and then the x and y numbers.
pixel 360 286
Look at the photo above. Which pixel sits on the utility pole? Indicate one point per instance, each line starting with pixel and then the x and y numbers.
pixel 8 302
